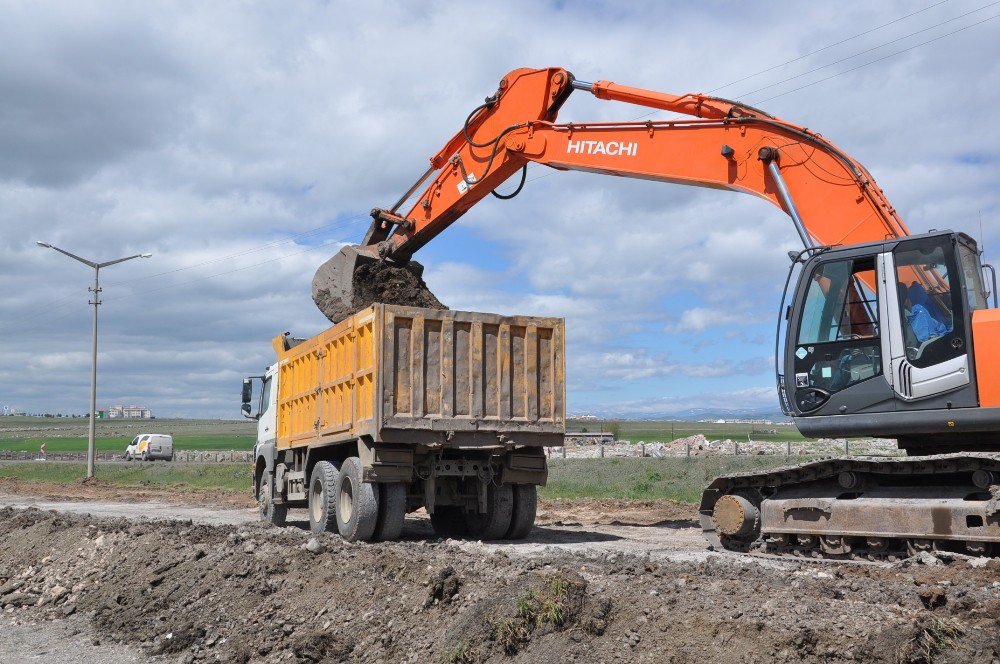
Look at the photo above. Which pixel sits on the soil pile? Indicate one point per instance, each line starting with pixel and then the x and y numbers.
pixel 339 295
pixel 381 281
pixel 256 593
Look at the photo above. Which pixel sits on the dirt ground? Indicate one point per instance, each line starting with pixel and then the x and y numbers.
pixel 597 581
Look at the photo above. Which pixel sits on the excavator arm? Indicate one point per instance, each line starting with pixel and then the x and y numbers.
pixel 830 197
pixel 724 146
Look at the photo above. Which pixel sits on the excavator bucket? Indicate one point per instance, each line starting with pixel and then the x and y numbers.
pixel 352 280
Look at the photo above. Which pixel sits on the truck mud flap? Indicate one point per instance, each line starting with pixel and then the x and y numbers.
pixel 524 467
pixel 385 463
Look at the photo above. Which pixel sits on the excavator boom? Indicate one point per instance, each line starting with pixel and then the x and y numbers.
pixel 725 145
pixel 831 199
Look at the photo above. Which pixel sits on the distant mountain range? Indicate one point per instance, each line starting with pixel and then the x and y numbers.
pixel 692 414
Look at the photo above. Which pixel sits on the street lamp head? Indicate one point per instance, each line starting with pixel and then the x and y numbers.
pixel 145 255
pixel 43 244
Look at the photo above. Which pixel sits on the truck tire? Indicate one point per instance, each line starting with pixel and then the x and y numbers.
pixel 391 511
pixel 357 503
pixel 499 511
pixel 323 498
pixel 525 507
pixel 268 510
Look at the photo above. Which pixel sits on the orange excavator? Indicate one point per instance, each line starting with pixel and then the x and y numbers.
pixel 880 333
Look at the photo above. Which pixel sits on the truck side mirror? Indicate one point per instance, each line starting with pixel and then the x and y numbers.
pixel 246 410
pixel 247 393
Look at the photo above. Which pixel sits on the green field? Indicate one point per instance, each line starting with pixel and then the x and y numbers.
pixel 627 479
pixel 118 444
pixel 667 430
pixel 70 434
pixel 64 434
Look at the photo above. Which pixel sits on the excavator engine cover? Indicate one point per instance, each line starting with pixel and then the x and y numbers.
pixel 351 281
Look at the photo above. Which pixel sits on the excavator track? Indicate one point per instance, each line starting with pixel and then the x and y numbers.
pixel 859 508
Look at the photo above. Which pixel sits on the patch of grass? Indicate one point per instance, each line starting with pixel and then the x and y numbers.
pixel 69 434
pixel 226 476
pixel 463 653
pixel 624 479
pixel 647 478
pixel 534 609
pixel 937 635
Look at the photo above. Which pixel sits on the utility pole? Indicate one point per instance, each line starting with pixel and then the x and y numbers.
pixel 96 290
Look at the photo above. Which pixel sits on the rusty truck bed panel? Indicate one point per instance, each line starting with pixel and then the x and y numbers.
pixel 408 374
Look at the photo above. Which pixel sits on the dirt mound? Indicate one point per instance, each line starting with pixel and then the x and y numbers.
pixel 381 281
pixel 256 593
pixel 373 281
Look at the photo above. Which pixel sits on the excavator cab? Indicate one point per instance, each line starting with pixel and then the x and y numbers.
pixel 878 341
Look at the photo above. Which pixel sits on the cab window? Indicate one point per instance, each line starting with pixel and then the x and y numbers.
pixel 841 303
pixel 930 300
pixel 838 337
pixel 265 396
pixel 975 291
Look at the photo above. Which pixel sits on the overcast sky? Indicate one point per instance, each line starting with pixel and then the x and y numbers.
pixel 249 140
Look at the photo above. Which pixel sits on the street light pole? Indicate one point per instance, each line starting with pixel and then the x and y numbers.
pixel 96 290
pixel 91 425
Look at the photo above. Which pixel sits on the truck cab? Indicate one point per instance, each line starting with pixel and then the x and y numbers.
pixel 266 414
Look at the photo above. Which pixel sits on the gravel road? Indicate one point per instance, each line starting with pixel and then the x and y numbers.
pixel 664 533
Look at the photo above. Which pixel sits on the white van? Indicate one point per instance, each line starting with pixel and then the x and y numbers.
pixel 149 446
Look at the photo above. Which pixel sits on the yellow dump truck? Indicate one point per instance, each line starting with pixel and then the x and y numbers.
pixel 398 408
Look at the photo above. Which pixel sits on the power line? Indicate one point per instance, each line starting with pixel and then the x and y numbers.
pixel 338 225
pixel 829 46
pixel 220 274
pixel 847 71
pixel 886 57
pixel 875 48
pixel 60 303
pixel 654 112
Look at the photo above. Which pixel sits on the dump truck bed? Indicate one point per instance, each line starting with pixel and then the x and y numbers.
pixel 399 374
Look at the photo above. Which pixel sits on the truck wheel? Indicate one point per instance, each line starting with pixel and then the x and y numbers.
pixel 499 510
pixel 449 522
pixel 323 497
pixel 269 511
pixel 391 511
pixel 357 503
pixel 525 506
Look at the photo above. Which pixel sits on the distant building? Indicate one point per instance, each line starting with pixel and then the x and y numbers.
pixel 130 412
